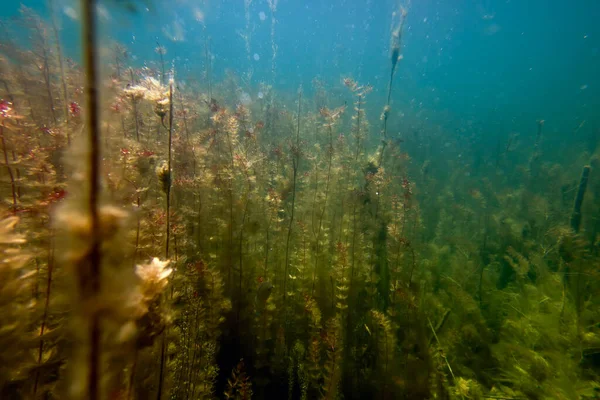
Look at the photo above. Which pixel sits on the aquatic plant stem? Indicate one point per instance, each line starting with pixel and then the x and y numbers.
pixel 538 136
pixel 46 311
pixel 358 112
pixel 295 162
pixel 354 228
pixel 169 166
pixel 46 71
pixel 241 244
pixel 442 354
pixel 89 279
pixel 396 48
pixel 267 244
pixel 135 110
pixel 132 375
pixel 208 66
pixel 161 51
pixel 163 344
pixel 61 67
pixel 137 231
pixel 247 38
pixel 231 212
pixel 273 8
pixel 13 185
pixel 185 125
pixel 327 182
pixel 576 214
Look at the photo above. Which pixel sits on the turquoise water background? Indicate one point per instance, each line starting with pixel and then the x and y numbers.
pixel 479 69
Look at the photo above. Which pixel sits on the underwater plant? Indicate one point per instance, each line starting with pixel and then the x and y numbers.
pixel 223 236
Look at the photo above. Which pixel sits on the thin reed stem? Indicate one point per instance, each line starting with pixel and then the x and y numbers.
pixel 13 184
pixel 135 110
pixel 46 311
pixel 62 69
pixel 327 182
pixel 163 344
pixel 295 162
pixel 90 278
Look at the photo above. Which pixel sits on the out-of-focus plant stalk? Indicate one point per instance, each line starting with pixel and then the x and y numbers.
pixel 89 279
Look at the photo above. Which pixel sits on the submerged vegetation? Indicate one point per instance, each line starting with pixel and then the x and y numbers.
pixel 163 240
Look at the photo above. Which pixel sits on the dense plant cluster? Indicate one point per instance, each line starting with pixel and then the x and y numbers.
pixel 277 249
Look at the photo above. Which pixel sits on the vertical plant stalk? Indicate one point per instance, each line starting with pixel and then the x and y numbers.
pixel 118 61
pixel 62 69
pixel 231 209
pixel 135 110
pixel 396 47
pixel 18 172
pixel 45 69
pixel 137 231
pixel 267 245
pixel 131 382
pixel 13 185
pixel 358 113
pixel 538 138
pixel 46 311
pixel 413 264
pixel 89 279
pixel 273 8
pixel 354 228
pixel 11 97
pixel 208 67
pixel 575 226
pixel 576 214
pixel 46 74
pixel 535 155
pixel 240 246
pixel 163 344
pixel 295 162
pixel 327 182
pixel 161 52
pixel 349 176
pixel 248 38
pixel 185 127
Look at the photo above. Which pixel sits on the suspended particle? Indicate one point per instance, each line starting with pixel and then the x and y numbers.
pixel 256 57
pixel 260 95
pixel 245 98
pixel 262 16
pixel 71 13
pixel 199 15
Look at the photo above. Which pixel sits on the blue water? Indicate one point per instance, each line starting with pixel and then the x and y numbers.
pixel 480 68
